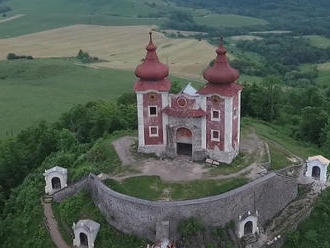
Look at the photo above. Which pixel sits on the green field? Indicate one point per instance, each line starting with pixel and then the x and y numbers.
pixel 318 41
pixel 40 15
pixel 323 78
pixel 217 20
pixel 43 89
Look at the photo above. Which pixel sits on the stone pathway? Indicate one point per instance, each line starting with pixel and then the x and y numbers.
pixel 52 226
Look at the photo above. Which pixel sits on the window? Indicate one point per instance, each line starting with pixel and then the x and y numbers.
pixel 215 135
pixel 152 110
pixel 215 115
pixel 153 131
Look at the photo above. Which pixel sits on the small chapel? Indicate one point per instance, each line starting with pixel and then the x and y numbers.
pixel 201 124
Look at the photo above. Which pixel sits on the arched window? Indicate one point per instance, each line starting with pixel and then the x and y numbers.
pixel 56 183
pixel 316 172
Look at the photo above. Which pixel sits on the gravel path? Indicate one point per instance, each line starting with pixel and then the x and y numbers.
pixel 53 227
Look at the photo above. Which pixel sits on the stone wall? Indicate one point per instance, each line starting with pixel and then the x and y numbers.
pixel 267 195
pixel 71 190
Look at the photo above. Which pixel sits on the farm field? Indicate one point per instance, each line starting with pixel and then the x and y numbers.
pixel 122 47
pixel 318 41
pixel 217 20
pixel 42 15
pixel 323 78
pixel 42 89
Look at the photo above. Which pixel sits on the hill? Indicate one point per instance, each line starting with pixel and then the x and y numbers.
pixel 43 15
pixel 186 57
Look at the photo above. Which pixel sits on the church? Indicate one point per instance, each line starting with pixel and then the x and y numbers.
pixel 201 124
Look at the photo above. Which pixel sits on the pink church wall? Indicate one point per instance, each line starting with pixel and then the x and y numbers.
pixel 152 99
pixel 185 102
pixel 215 103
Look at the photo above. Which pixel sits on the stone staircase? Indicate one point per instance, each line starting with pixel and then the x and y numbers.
pixel 293 214
pixel 47 198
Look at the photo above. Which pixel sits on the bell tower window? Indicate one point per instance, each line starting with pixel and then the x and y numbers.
pixel 215 115
pixel 215 135
pixel 152 111
pixel 153 131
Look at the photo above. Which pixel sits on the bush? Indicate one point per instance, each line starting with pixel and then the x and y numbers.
pixel 12 56
pixel 84 57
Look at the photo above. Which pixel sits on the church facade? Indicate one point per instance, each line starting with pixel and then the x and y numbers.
pixel 202 124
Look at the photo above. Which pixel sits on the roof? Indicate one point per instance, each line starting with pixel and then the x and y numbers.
pixel 89 224
pixel 221 89
pixel 151 68
pixel 190 90
pixel 162 85
pixel 221 72
pixel 184 113
pixel 56 169
pixel 320 158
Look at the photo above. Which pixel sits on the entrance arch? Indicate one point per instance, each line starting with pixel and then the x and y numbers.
pixel 56 183
pixel 316 172
pixel 248 228
pixel 83 240
pixel 184 141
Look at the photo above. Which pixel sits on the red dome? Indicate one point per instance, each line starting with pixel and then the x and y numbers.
pixel 221 72
pixel 151 69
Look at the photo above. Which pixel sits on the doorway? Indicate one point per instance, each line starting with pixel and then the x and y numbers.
pixel 184 149
pixel 184 141
pixel 56 183
pixel 83 240
pixel 316 172
pixel 248 228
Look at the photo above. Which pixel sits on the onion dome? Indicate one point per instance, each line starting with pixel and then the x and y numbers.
pixel 221 72
pixel 151 69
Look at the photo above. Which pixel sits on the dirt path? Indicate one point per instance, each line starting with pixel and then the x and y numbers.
pixel 122 147
pixel 182 168
pixel 53 227
pixel 11 18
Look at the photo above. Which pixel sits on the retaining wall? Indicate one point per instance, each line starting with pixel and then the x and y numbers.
pixel 268 195
pixel 71 190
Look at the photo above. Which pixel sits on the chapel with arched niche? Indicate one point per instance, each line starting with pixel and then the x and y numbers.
pixel 201 123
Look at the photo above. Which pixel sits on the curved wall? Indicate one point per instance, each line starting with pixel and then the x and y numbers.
pixel 268 195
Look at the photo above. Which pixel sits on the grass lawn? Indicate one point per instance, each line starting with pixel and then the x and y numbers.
pixel 277 134
pixel 82 207
pixel 153 188
pixel 217 20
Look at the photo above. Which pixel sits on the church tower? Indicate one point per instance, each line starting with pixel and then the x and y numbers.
pixel 222 97
pixel 152 89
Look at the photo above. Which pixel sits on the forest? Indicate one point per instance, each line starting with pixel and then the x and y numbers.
pixel 300 16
